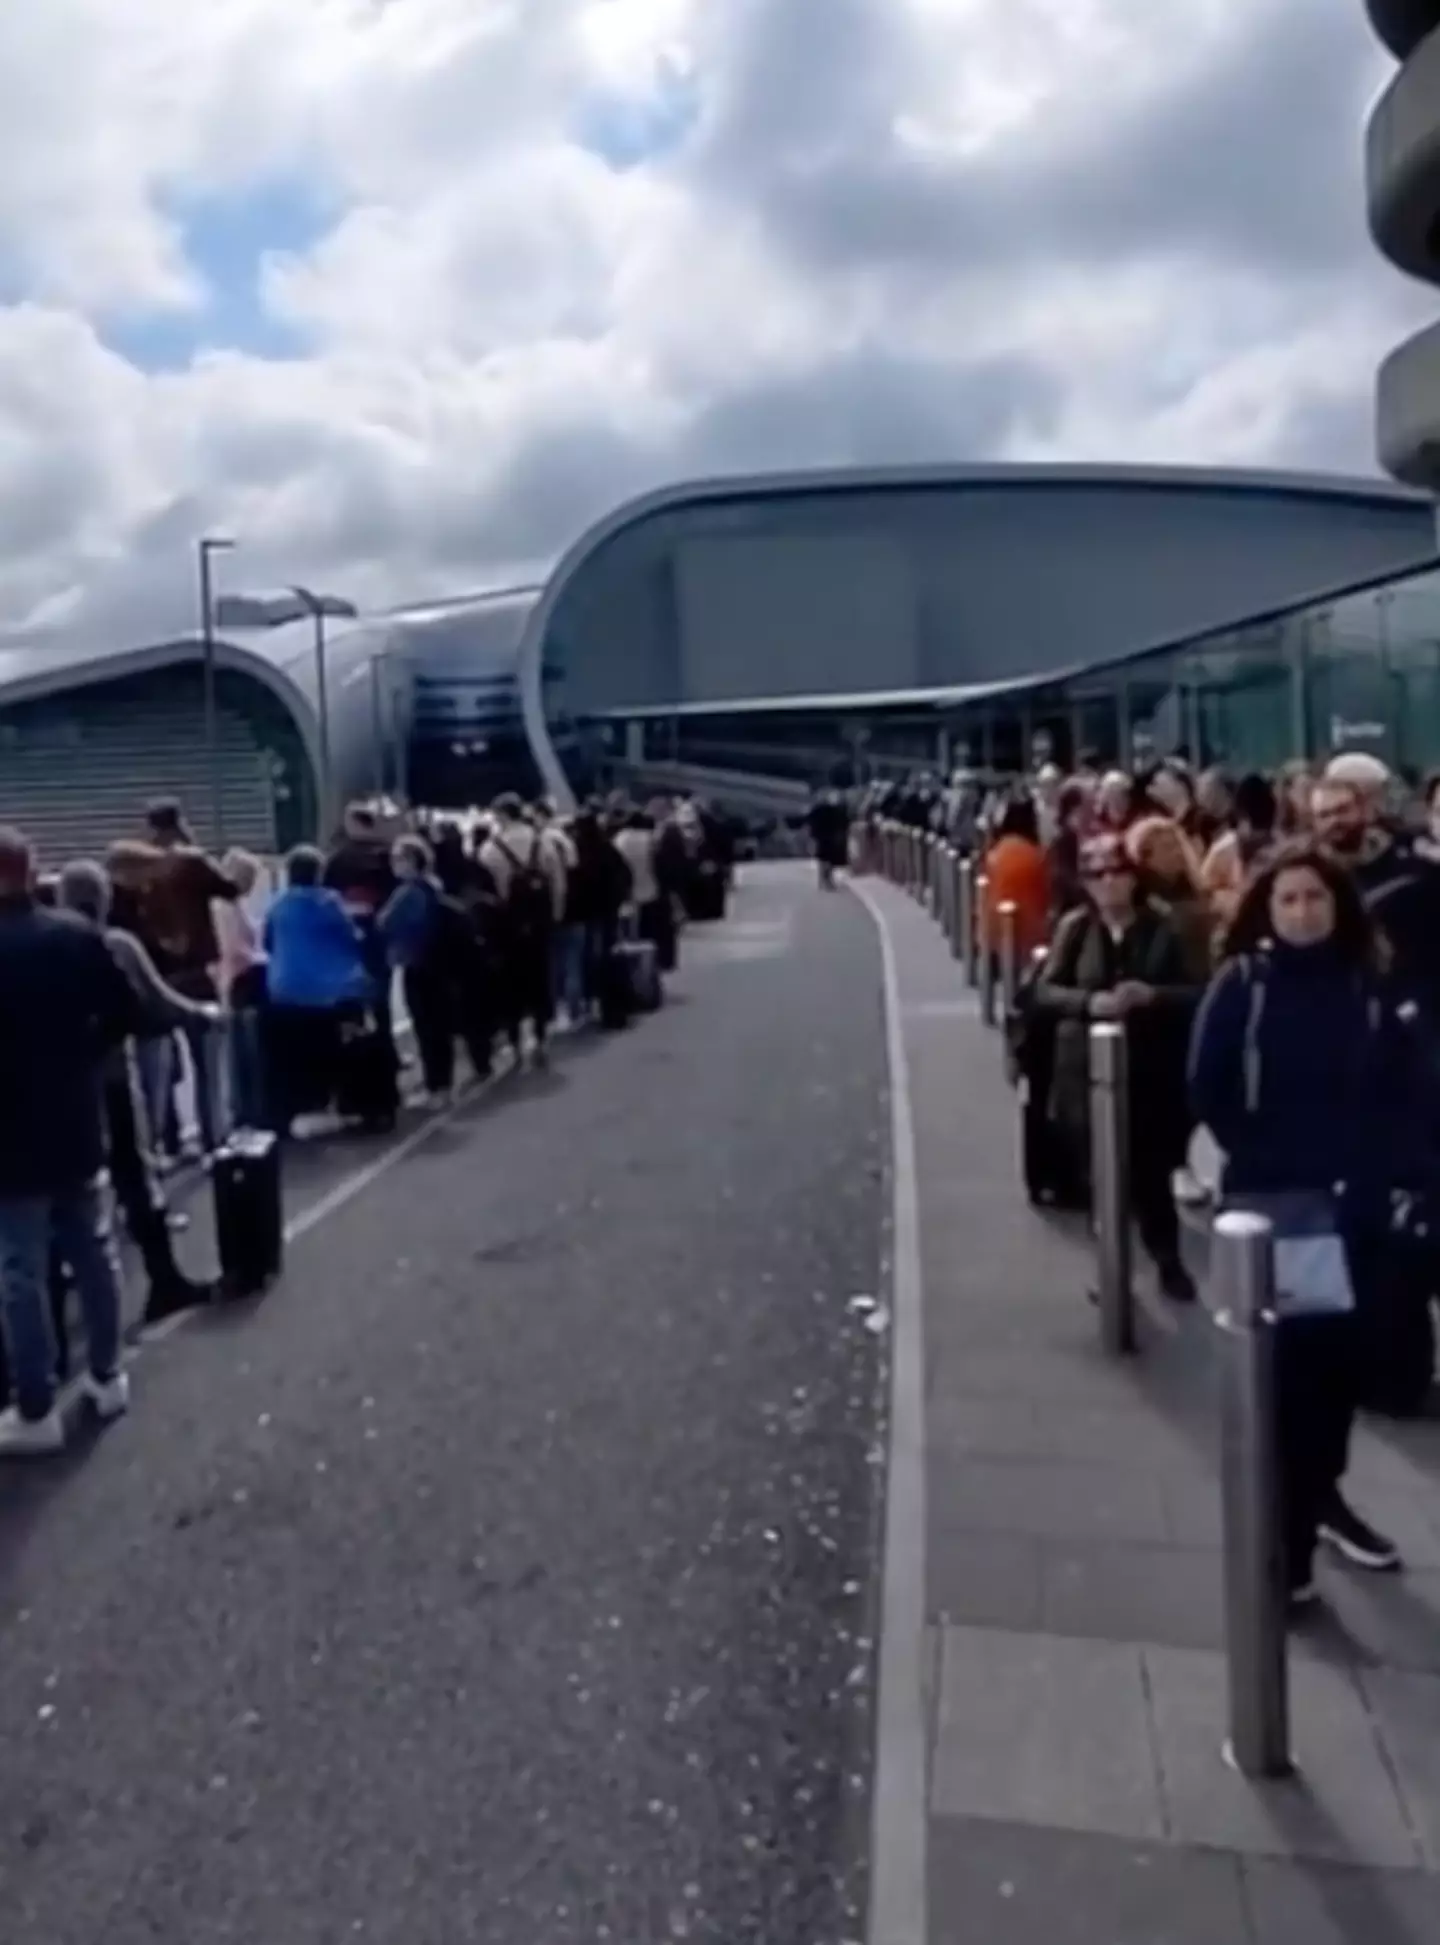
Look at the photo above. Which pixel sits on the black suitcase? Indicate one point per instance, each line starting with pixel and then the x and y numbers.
pixel 705 902
pixel 614 995
pixel 249 1213
pixel 366 1086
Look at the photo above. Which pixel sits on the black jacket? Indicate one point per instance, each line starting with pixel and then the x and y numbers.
pixel 64 1003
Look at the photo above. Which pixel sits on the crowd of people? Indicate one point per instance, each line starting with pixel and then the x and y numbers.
pixel 1272 946
pixel 161 974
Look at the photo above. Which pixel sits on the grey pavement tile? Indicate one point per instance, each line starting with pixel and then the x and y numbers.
pixel 1036 1730
pixel 1378 1620
pixel 1341 1807
pixel 1079 1434
pixel 987 1580
pixel 1407 1711
pixel 1171 1596
pixel 1406 1457
pixel 1044 1498
pixel 1011 1884
pixel 1192 1511
pixel 1328 1904
pixel 1080 1376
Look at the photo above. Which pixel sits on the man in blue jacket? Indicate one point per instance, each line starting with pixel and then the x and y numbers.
pixel 64 1004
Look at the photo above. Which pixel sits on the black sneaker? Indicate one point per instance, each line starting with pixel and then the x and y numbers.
pixel 169 1299
pixel 1353 1540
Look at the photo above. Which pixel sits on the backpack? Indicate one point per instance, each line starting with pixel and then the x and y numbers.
pixel 528 906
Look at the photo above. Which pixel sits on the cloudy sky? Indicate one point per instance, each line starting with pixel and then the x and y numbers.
pixel 402 292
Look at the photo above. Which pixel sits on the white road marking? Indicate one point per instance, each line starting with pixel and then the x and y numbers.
pixel 899 1892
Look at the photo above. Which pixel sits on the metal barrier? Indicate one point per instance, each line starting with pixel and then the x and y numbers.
pixel 1009 957
pixel 947 891
pixel 967 920
pixel 1242 1268
pixel 1110 1185
pixel 985 950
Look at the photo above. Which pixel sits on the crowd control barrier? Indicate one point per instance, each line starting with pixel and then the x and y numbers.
pixel 1110 1186
pixel 1242 1271
pixel 1009 957
pixel 984 954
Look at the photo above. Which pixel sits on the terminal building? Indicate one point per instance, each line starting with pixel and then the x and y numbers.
pixel 800 627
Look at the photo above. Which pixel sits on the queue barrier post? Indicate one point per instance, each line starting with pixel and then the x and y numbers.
pixel 1110 1190
pixel 1242 1271
pixel 967 920
pixel 945 880
pixel 1009 957
pixel 985 949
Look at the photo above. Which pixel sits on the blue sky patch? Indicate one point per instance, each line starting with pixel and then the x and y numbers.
pixel 628 130
pixel 226 240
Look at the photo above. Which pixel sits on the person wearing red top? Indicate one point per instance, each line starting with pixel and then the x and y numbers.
pixel 1018 872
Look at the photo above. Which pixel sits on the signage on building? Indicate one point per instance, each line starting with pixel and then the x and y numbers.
pixel 1342 731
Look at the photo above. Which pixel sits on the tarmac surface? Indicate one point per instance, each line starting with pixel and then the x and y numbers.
pixel 509 1572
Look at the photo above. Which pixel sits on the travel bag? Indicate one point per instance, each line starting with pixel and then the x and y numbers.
pixel 366 1085
pixel 249 1212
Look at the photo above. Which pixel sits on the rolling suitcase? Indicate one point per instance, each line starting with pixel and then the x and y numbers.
pixel 366 1085
pixel 640 968
pixel 249 1213
pixel 706 903
pixel 614 997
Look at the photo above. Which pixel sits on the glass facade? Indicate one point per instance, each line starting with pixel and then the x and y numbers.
pixel 1362 672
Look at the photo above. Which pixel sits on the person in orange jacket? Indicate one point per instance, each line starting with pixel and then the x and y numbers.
pixel 1018 872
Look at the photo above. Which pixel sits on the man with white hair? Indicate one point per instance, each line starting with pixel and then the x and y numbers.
pixel 1400 887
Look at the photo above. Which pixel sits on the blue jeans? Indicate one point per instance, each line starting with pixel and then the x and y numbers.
pixel 567 964
pixel 246 1062
pixel 79 1221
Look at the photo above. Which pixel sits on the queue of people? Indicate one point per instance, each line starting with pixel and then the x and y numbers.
pixel 1272 945
pixel 119 978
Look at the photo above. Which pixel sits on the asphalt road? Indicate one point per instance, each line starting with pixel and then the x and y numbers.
pixel 509 1573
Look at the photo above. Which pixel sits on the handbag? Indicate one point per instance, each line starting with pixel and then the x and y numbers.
pixel 1312 1265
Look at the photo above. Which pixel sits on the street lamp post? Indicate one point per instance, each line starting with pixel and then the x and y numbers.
pixel 211 544
pixel 316 607
pixel 249 611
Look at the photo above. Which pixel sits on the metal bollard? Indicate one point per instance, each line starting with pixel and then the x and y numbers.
pixel 1009 957
pixel 966 919
pixel 1110 1185
pixel 945 866
pixel 1256 1650
pixel 985 950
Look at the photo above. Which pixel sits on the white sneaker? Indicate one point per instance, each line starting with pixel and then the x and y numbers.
pixel 109 1397
pixel 315 1127
pixel 31 1438
pixel 1188 1190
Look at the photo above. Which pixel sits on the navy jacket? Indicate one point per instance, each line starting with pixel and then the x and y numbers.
pixel 64 1004
pixel 1310 1075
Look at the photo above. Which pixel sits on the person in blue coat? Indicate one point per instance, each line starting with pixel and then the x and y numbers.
pixel 1304 1067
pixel 315 978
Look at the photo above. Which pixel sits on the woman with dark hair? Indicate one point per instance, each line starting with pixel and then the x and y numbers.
pixel 1118 957
pixel 1304 1070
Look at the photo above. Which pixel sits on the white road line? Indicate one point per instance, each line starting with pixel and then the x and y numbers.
pixel 346 1190
pixel 899 1893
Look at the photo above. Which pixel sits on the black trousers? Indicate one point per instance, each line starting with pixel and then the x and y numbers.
pixel 431 1003
pixel 1317 1382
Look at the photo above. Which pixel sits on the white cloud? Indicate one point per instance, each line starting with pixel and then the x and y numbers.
pixel 895 229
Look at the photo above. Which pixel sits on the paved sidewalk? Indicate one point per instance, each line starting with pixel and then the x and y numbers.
pixel 1076 1677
